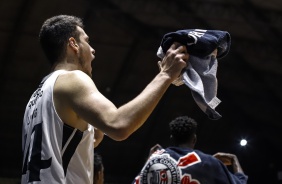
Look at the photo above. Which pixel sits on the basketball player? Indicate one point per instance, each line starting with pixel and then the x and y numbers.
pixel 181 163
pixel 59 120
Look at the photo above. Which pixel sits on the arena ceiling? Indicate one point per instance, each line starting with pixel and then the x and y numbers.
pixel 126 35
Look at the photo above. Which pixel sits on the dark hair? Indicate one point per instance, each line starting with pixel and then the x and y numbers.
pixel 182 129
pixel 98 163
pixel 54 35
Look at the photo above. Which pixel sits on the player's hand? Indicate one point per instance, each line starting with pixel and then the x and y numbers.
pixel 226 158
pixel 155 148
pixel 230 159
pixel 175 61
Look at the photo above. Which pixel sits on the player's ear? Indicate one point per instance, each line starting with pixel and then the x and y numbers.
pixel 73 44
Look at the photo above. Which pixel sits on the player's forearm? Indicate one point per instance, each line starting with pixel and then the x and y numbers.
pixel 132 115
pixel 236 166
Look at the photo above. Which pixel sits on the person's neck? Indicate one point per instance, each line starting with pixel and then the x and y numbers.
pixel 65 65
pixel 186 145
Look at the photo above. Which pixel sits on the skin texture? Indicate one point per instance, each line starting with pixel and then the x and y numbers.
pixel 98 137
pixel 229 159
pixel 79 102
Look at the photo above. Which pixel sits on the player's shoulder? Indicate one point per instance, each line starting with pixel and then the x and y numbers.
pixel 74 74
pixel 74 77
pixel 73 80
pixel 205 157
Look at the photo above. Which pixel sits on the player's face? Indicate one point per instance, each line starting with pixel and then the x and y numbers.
pixel 86 52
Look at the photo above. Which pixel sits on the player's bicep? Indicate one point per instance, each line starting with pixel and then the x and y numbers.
pixel 88 103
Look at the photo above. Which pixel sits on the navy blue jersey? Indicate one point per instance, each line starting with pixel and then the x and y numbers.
pixel 176 165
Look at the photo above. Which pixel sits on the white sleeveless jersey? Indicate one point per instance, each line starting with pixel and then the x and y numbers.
pixel 54 152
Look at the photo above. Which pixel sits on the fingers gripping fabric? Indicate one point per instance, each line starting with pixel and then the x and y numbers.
pixel 200 74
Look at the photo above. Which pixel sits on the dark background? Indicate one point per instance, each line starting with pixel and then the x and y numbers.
pixel 126 35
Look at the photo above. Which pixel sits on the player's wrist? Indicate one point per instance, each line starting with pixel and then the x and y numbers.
pixel 166 77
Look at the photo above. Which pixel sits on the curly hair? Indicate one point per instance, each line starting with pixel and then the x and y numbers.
pixel 54 35
pixel 182 129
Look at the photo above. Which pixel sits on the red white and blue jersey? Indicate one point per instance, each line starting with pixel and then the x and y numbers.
pixel 54 152
pixel 176 165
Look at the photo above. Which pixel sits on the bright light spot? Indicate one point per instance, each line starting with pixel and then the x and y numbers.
pixel 243 142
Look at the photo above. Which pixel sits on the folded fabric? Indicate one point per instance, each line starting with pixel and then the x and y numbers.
pixel 200 75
